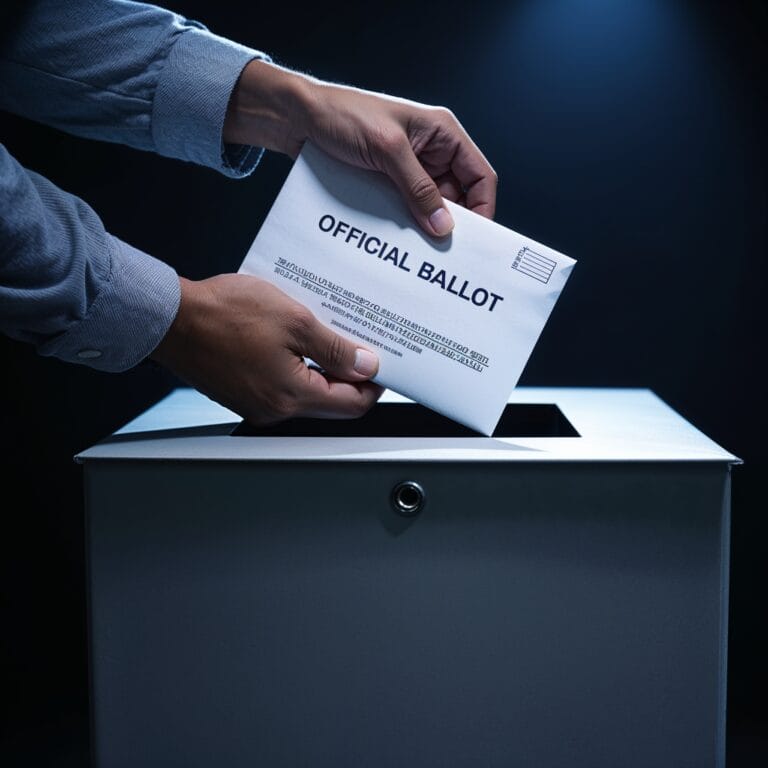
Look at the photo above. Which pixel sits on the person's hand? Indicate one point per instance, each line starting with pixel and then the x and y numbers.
pixel 424 150
pixel 242 342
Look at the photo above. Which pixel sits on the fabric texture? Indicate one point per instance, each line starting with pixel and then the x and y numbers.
pixel 115 71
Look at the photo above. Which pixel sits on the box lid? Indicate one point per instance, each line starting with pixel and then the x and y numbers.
pixel 612 425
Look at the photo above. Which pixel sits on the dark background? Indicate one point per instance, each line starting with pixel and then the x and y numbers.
pixel 627 134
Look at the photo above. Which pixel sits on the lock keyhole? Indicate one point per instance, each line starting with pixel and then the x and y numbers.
pixel 408 498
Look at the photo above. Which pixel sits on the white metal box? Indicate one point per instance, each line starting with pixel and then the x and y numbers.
pixel 559 596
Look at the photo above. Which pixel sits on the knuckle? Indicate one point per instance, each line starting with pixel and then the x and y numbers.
pixel 336 352
pixel 445 114
pixel 300 321
pixel 390 143
pixel 422 190
pixel 442 117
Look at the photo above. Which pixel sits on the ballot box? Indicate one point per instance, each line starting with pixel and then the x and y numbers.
pixel 399 591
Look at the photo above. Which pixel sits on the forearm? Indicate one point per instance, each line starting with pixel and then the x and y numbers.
pixel 67 286
pixel 271 107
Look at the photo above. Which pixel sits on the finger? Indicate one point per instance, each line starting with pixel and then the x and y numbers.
pixel 449 187
pixel 329 398
pixel 477 177
pixel 338 356
pixel 419 190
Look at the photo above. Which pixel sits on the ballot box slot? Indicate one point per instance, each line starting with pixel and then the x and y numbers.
pixel 412 420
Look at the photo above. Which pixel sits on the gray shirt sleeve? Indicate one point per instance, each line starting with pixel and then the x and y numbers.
pixel 69 287
pixel 117 71
pixel 126 72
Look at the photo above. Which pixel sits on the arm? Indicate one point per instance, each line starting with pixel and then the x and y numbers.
pixel 81 295
pixel 69 287
pixel 126 72
pixel 137 74
pixel 236 338
pixel 119 71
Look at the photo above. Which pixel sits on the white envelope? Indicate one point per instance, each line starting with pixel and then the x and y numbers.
pixel 452 320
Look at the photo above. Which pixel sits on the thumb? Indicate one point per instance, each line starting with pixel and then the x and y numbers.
pixel 420 192
pixel 341 358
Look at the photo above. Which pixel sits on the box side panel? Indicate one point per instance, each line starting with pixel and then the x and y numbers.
pixel 725 568
pixel 284 615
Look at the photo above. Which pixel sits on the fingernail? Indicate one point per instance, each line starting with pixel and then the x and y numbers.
pixel 366 363
pixel 441 221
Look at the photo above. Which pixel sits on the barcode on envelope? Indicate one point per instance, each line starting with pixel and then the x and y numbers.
pixel 534 265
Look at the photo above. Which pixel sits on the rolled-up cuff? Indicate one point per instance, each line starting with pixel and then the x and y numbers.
pixel 191 99
pixel 130 316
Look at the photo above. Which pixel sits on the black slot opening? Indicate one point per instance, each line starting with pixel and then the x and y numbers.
pixel 411 420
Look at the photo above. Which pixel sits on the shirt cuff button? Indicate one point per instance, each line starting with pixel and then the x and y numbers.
pixel 89 354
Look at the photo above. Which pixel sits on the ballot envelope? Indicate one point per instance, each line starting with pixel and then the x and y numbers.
pixel 453 320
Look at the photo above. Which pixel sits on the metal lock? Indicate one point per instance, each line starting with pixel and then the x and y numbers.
pixel 407 498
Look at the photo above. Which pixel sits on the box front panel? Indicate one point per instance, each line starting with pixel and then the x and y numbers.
pixel 284 615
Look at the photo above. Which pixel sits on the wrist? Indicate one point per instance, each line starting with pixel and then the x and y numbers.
pixel 270 107
pixel 181 329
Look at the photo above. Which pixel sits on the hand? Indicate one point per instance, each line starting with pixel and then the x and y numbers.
pixel 424 150
pixel 241 341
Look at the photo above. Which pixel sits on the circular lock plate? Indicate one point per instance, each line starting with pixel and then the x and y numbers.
pixel 407 498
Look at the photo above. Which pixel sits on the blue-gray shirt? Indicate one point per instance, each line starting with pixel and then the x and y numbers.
pixel 118 71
